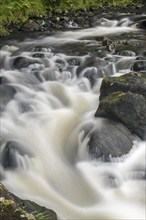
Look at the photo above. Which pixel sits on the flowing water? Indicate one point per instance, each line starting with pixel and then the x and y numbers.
pixel 47 113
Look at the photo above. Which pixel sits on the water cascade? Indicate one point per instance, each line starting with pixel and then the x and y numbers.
pixel 47 116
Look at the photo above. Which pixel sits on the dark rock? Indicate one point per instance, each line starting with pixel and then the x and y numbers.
pixel 134 82
pixel 30 25
pixel 127 108
pixel 91 61
pixel 8 157
pixel 24 62
pixel 14 208
pixel 11 151
pixel 142 24
pixel 38 55
pixel 3 80
pixel 73 62
pixel 39 49
pixel 110 140
pixel 139 64
pixel 7 93
pixel 21 62
pixel 92 75
pixel 106 42
pixel 127 53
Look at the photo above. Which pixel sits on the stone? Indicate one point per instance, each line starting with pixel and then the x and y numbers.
pixel 14 208
pixel 127 53
pixel 38 55
pixel 7 93
pixel 30 25
pixel 92 75
pixel 127 108
pixel 111 140
pixel 21 62
pixel 139 64
pixel 134 82
pixel 142 24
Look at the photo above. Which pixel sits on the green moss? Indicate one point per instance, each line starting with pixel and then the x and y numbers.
pixel 114 97
pixel 107 102
pixel 7 202
pixel 106 79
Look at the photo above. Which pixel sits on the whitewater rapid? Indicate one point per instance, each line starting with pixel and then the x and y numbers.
pixel 50 119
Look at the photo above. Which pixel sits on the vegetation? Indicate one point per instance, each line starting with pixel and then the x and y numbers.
pixel 17 11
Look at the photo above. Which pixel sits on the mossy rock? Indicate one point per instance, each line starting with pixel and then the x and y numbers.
pixel 134 82
pixel 14 208
pixel 127 108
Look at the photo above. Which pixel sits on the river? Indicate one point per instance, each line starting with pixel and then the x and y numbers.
pixel 48 104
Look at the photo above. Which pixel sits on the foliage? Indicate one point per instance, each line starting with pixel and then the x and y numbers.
pixel 44 215
pixel 17 11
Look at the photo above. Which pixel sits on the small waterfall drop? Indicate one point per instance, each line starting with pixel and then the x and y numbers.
pixel 47 117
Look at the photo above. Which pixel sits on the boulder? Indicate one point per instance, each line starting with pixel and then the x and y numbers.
pixel 139 64
pixel 134 82
pixel 14 208
pixel 21 62
pixel 112 139
pixel 127 108
pixel 142 24
pixel 24 62
pixel 30 25
pixel 123 108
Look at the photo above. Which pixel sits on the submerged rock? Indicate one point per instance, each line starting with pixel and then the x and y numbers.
pixel 14 208
pixel 7 94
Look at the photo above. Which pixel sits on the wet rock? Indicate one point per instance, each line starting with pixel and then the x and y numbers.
pixel 3 80
pixel 139 64
pixel 38 55
pixel 30 25
pixel 123 99
pixel 91 61
pixel 106 42
pixel 11 154
pixel 134 82
pixel 142 24
pixel 127 53
pixel 127 108
pixel 92 75
pixel 7 93
pixel 110 140
pixel 8 157
pixel 21 62
pixel 14 208
pixel 41 49
pixel 24 62
pixel 73 62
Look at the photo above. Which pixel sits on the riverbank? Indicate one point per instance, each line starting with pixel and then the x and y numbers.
pixel 58 19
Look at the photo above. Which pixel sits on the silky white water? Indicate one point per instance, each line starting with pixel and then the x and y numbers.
pixel 51 121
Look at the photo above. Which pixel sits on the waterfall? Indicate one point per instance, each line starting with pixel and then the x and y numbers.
pixel 47 117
